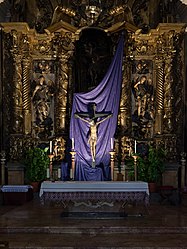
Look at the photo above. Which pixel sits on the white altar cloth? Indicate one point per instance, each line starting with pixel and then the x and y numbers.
pixel 93 186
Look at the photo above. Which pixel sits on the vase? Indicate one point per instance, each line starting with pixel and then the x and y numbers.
pixel 36 186
pixel 152 187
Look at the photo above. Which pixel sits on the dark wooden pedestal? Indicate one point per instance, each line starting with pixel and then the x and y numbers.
pixel 17 198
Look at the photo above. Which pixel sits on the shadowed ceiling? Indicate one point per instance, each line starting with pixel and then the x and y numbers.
pixel 144 14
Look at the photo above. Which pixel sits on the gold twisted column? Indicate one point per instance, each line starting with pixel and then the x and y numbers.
pixel 65 49
pixel 26 97
pixel 62 93
pixel 17 115
pixel 159 97
pixel 125 110
pixel 168 96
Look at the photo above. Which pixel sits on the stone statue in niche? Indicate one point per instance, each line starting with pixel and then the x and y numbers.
pixel 42 100
pixel 142 100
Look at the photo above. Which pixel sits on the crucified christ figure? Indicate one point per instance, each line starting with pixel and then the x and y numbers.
pixel 93 123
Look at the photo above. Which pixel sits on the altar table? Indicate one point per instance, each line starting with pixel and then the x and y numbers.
pixel 59 191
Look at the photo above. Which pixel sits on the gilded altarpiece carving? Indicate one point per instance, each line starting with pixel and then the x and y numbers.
pixel 40 88
pixel 160 50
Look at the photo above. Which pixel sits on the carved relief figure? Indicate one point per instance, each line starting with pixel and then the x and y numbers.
pixel 142 100
pixel 44 67
pixel 41 99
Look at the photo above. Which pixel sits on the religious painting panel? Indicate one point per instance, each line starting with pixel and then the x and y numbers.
pixel 142 99
pixel 42 95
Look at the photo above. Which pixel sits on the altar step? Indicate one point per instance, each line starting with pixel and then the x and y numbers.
pixel 91 241
pixel 112 230
pixel 33 226
pixel 94 240
pixel 98 237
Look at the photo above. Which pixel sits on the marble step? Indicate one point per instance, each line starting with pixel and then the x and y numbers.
pixel 100 241
pixel 93 230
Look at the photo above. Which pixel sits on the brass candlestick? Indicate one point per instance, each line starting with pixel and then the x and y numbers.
pixel 112 153
pixel 73 153
pixel 51 166
pixel 3 161
pixel 135 157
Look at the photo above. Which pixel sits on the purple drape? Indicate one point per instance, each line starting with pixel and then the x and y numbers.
pixel 106 96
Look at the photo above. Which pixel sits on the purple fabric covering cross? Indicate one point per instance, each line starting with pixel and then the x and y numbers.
pixel 106 96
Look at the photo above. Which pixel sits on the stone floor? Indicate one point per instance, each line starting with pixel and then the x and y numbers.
pixel 35 226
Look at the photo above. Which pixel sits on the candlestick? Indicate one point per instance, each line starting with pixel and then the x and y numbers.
pixel 112 153
pixel 51 165
pixel 135 146
pixel 50 147
pixel 73 143
pixel 72 172
pixel 135 167
pixel 124 172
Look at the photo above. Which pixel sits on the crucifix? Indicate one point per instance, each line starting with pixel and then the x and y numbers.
pixel 91 117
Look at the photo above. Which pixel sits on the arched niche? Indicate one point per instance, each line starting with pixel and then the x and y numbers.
pixel 93 54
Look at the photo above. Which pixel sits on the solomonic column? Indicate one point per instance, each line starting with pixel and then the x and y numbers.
pixel 26 97
pixel 17 115
pixel 62 93
pixel 125 109
pixel 65 49
pixel 168 96
pixel 159 97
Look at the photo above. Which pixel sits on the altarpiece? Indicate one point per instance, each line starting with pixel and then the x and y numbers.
pixel 42 71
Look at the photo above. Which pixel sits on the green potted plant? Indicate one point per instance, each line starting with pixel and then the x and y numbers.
pixel 155 166
pixel 149 167
pixel 36 164
pixel 155 163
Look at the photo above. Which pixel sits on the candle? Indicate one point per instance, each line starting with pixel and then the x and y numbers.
pixel 111 143
pixel 50 147
pixel 135 146
pixel 59 173
pixel 48 173
pixel 73 143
